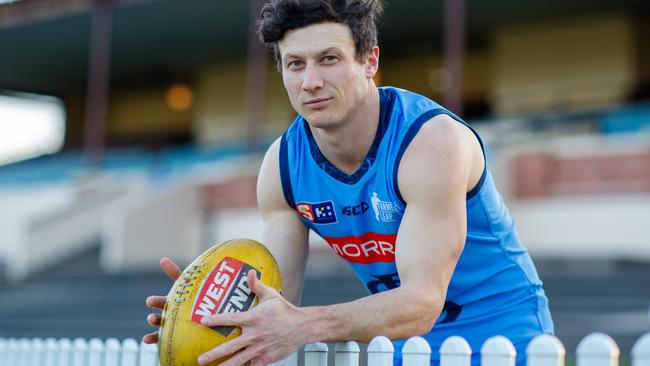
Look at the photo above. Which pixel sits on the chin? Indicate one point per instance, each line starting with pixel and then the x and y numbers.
pixel 321 120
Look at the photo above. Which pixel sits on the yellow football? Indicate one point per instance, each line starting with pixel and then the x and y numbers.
pixel 215 282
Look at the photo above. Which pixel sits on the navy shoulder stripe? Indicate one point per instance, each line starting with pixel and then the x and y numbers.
pixel 410 135
pixel 285 178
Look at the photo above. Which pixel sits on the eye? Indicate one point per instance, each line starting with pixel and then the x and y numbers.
pixel 292 65
pixel 330 58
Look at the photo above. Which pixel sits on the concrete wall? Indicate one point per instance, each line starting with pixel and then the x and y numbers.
pixel 143 227
pixel 41 225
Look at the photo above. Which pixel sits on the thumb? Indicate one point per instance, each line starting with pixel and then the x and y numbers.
pixel 262 291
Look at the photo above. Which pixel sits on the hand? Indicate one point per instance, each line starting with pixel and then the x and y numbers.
pixel 172 271
pixel 270 331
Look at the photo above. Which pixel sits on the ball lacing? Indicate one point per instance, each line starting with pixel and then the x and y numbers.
pixel 188 278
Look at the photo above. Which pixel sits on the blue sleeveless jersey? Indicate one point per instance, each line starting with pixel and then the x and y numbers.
pixel 494 290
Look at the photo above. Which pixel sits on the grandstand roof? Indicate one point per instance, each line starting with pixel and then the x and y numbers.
pixel 45 44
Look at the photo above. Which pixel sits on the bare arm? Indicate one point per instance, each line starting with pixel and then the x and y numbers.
pixel 284 234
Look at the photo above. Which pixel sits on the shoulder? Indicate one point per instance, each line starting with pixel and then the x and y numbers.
pixel 442 134
pixel 444 155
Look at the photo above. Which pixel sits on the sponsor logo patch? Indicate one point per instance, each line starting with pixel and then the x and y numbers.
pixel 385 211
pixel 364 249
pixel 225 290
pixel 318 213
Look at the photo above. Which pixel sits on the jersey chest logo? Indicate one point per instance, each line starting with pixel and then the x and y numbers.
pixel 318 213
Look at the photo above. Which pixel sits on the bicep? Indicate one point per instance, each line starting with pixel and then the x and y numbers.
pixel 434 175
pixel 284 234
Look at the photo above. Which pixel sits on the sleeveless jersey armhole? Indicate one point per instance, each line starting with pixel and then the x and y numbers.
pixel 410 135
pixel 285 177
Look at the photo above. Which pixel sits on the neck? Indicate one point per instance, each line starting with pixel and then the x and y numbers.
pixel 347 145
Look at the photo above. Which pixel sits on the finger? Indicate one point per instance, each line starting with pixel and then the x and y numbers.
pixel 156 302
pixel 171 269
pixel 262 291
pixel 245 357
pixel 226 349
pixel 154 319
pixel 150 338
pixel 228 319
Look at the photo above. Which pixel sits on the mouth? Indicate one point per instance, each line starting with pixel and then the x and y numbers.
pixel 317 103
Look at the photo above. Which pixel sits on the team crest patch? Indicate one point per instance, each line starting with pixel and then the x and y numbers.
pixel 318 213
pixel 385 211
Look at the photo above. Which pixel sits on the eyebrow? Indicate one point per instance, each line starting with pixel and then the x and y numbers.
pixel 321 53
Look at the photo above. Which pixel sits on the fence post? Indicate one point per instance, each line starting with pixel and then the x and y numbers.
pixel 25 352
pixel 12 350
pixel 95 352
pixel 4 349
pixel 129 353
pixel 416 352
pixel 597 349
pixel 380 352
pixel 51 352
pixel 112 353
pixel 38 352
pixel 65 352
pixel 641 351
pixel 316 354
pixel 79 352
pixel 498 351
pixel 148 354
pixel 545 350
pixel 346 354
pixel 455 351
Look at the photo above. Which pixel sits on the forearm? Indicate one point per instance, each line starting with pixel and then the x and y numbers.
pixel 399 313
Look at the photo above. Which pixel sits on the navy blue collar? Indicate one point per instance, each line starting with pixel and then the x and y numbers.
pixel 386 100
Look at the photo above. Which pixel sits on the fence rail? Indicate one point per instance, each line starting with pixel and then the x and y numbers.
pixel 596 349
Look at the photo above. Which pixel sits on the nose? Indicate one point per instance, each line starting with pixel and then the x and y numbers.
pixel 312 80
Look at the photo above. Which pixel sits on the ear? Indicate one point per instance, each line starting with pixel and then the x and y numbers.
pixel 372 62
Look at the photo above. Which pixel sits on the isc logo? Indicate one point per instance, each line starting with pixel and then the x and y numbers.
pixel 356 210
pixel 225 290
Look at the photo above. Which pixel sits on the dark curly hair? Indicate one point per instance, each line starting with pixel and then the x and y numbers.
pixel 279 16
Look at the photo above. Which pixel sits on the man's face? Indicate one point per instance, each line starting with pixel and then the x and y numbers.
pixel 324 81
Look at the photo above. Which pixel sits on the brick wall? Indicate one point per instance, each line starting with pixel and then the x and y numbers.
pixel 544 174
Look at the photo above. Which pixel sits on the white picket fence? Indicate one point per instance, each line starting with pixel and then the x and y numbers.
pixel 596 349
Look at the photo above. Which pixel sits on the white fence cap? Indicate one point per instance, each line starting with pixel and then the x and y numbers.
pixel 641 347
pixel 65 344
pixel 454 346
pixel 80 344
pixel 498 346
pixel 598 344
pixel 417 346
pixel 348 346
pixel 112 344
pixel 545 345
pixel 130 345
pixel 316 347
pixel 96 344
pixel 381 344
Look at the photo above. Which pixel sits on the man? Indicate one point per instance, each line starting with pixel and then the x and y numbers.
pixel 397 185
